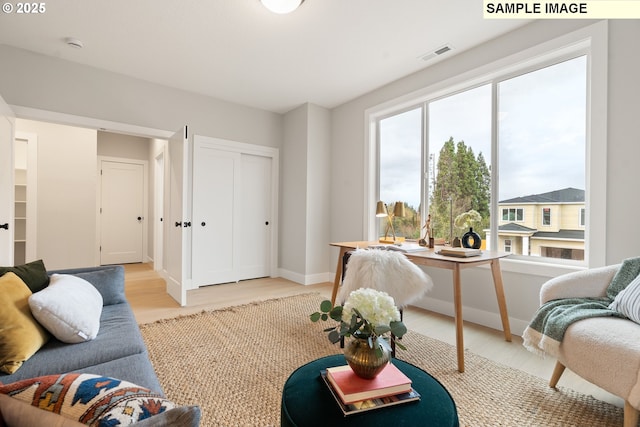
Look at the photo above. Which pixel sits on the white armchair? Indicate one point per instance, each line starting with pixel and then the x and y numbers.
pixel 603 350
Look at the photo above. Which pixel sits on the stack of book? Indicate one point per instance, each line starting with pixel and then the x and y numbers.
pixel 460 252
pixel 355 394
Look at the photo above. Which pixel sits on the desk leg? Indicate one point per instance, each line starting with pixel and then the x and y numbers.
pixel 457 302
pixel 336 280
pixel 502 303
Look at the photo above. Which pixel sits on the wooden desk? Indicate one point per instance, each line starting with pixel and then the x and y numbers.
pixel 430 258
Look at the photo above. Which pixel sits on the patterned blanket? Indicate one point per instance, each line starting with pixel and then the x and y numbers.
pixel 546 331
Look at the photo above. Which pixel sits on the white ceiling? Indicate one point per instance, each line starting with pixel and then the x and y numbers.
pixel 327 52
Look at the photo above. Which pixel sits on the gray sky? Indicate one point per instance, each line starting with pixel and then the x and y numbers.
pixel 541 134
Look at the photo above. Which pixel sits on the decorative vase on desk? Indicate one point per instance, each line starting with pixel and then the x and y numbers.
pixel 365 361
pixel 471 235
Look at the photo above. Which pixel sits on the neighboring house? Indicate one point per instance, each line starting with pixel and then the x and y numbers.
pixel 548 224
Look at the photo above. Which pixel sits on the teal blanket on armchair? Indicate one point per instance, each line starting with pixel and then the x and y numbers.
pixel 546 331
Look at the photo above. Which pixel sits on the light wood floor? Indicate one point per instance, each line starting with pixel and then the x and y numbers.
pixel 146 291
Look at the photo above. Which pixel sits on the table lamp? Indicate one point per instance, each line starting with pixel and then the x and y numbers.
pixel 382 211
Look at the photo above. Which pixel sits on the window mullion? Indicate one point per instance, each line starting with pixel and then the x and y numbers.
pixel 495 216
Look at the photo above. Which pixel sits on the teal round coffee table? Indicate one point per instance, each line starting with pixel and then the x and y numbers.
pixel 307 402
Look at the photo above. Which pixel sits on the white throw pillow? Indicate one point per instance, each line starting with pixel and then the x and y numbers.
pixel 69 308
pixel 627 301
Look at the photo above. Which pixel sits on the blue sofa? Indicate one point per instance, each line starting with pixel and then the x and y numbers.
pixel 118 351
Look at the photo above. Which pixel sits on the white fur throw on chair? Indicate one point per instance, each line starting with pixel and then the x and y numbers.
pixel 387 271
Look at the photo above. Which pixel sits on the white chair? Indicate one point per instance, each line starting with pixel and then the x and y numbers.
pixel 387 271
pixel 603 350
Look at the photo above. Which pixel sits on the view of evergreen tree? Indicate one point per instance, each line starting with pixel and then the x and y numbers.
pixel 462 182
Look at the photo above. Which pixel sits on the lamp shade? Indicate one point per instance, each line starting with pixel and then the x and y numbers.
pixel 398 209
pixel 381 209
pixel 281 6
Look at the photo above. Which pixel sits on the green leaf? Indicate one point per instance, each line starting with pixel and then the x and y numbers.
pixel 324 317
pixel 382 329
pixel 334 336
pixel 315 316
pixel 398 329
pixel 336 313
pixel 326 306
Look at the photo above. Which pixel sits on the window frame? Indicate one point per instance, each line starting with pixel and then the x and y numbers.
pixel 591 41
pixel 508 245
pixel 543 215
pixel 515 215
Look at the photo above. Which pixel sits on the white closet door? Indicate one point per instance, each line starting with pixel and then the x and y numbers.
pixel 216 189
pixel 254 236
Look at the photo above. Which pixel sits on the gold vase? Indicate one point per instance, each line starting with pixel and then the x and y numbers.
pixel 363 359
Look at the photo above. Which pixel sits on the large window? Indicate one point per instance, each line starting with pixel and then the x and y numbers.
pixel 527 129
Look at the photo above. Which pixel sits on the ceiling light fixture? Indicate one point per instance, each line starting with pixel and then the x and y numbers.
pixel 281 6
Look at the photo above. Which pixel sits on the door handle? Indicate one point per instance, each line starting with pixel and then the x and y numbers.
pixel 187 224
pixel 139 218
pixel 5 226
pixel 203 223
pixel 178 224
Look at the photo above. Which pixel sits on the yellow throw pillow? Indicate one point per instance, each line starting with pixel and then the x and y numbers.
pixel 20 335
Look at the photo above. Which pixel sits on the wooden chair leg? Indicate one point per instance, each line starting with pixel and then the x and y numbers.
pixel 631 415
pixel 557 373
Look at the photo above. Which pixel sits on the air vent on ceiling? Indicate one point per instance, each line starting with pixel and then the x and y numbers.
pixel 439 51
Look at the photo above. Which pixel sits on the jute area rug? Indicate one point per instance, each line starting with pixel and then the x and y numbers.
pixel 233 363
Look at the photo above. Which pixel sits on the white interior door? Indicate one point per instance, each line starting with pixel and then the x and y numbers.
pixel 216 176
pixel 122 212
pixel 253 243
pixel 6 183
pixel 178 224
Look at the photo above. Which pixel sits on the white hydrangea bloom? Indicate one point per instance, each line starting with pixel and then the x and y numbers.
pixel 376 307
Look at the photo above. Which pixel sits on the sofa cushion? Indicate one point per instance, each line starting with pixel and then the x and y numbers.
pixel 627 301
pixel 135 368
pixel 20 334
pixel 69 308
pixel 119 336
pixel 108 280
pixel 90 399
pixel 34 274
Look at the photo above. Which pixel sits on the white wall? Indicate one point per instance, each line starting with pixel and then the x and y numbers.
pixel 293 196
pixel 123 146
pixel 51 84
pixel 66 193
pixel 304 196
pixel 348 172
pixel 318 194
pixel 623 141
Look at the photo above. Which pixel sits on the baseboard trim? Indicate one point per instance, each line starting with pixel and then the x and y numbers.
pixel 309 279
pixel 474 315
